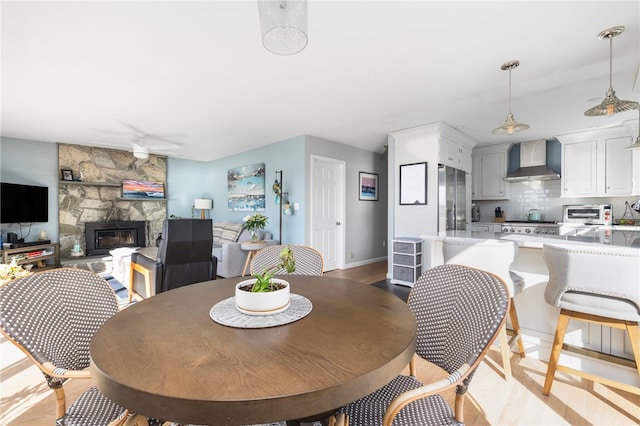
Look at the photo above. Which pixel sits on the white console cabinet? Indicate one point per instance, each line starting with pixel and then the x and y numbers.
pixel 407 260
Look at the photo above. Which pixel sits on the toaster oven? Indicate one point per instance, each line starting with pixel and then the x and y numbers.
pixel 592 214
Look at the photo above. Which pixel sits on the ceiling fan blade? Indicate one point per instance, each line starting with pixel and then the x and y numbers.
pixel 166 146
pixel 101 143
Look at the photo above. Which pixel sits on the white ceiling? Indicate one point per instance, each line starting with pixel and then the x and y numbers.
pixel 96 73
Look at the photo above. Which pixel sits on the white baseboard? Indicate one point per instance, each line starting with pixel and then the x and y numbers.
pixel 365 262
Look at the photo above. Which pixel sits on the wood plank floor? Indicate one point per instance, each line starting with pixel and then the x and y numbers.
pixel 26 400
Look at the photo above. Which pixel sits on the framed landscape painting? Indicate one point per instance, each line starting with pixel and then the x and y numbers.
pixel 245 188
pixel 141 189
pixel 368 187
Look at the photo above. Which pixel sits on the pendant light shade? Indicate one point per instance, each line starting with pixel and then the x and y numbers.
pixel 611 104
pixel 510 125
pixel 284 25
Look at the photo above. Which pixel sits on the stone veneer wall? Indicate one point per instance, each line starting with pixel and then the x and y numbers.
pixel 93 200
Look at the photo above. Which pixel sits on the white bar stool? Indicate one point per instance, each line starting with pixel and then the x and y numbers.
pixel 599 285
pixel 496 257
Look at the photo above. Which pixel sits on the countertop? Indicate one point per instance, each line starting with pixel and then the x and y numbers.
pixel 611 237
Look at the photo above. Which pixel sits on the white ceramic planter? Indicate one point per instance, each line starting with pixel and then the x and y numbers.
pixel 266 303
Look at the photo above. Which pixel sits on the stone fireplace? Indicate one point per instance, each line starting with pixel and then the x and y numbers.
pixel 101 237
pixel 97 198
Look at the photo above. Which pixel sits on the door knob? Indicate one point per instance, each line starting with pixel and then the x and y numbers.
pixel 338 223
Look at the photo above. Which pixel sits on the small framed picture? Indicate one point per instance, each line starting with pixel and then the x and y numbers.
pixel 67 174
pixel 368 187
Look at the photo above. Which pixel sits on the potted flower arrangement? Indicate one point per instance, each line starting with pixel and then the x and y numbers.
pixel 254 223
pixel 263 294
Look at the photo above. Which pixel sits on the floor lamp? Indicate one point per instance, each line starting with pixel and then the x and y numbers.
pixel 277 188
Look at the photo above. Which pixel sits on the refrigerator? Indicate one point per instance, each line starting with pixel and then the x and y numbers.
pixel 452 199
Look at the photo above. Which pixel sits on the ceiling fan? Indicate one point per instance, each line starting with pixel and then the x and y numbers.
pixel 138 145
pixel 141 150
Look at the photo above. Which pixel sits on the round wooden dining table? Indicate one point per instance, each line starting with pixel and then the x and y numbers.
pixel 165 357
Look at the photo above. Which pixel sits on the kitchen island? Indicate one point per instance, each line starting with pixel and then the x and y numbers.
pixel 608 351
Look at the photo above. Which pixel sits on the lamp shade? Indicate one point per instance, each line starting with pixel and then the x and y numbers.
pixel 611 104
pixel 203 204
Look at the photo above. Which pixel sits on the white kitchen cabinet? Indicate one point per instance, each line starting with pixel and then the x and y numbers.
pixel 455 155
pixel 486 227
pixel 489 170
pixel 618 166
pixel 579 168
pixel 596 164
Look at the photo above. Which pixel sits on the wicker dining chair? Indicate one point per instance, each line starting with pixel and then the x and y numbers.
pixel 52 316
pixel 495 256
pixel 459 312
pixel 308 260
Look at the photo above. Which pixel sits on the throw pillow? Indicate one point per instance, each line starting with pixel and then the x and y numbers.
pixel 231 232
pixel 218 227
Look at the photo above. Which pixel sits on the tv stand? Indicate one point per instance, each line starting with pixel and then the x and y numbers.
pixel 41 254
pixel 21 244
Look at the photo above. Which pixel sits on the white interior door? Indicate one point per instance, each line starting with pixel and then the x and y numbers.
pixel 327 210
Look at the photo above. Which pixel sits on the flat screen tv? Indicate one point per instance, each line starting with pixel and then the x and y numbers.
pixel 23 203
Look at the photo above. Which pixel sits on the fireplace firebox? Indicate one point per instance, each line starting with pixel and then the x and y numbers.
pixel 102 237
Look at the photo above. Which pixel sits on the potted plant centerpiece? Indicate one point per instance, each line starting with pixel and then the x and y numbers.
pixel 254 223
pixel 263 294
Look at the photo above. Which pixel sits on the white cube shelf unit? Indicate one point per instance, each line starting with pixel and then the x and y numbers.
pixel 407 260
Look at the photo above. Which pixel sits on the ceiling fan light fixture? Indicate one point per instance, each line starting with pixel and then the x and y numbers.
pixel 284 25
pixel 611 104
pixel 510 125
pixel 140 152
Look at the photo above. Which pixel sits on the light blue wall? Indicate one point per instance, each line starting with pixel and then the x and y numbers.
pixel 31 163
pixel 186 181
pixel 286 156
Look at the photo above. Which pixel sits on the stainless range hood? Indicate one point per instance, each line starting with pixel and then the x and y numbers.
pixel 533 162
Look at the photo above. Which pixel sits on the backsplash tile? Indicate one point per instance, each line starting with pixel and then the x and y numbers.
pixel 544 196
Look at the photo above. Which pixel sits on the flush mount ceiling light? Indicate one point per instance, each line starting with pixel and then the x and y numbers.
pixel 284 25
pixel 611 104
pixel 510 125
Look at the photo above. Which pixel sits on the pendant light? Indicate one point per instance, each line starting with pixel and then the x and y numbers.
pixel 510 125
pixel 611 104
pixel 284 25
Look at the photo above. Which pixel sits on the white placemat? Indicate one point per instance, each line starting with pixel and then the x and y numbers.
pixel 225 313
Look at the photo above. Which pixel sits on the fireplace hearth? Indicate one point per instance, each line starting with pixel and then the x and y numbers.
pixel 101 237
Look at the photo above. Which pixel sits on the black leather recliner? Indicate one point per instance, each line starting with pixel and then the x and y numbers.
pixel 184 257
